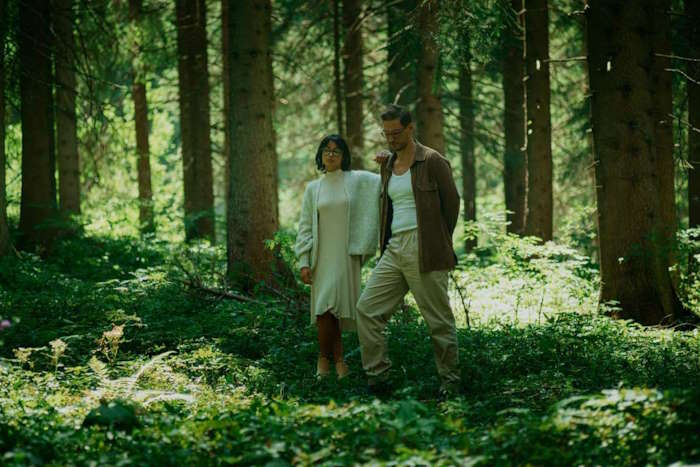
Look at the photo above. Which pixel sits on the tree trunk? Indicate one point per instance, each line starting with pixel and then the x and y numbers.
pixel 352 62
pixel 66 125
pixel 429 117
pixel 4 231
pixel 629 153
pixel 337 85
pixel 194 119
pixel 538 221
pixel 38 205
pixel 515 157
pixel 402 48
pixel 252 210
pixel 138 90
pixel 692 13
pixel 226 71
pixel 663 113
pixel 466 119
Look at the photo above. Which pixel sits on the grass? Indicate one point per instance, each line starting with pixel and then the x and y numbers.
pixel 110 360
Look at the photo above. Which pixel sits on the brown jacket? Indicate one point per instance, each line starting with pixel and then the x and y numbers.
pixel 437 208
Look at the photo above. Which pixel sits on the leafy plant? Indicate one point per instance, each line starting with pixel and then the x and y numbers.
pixel 109 343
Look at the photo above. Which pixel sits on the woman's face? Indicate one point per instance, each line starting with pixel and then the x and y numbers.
pixel 332 157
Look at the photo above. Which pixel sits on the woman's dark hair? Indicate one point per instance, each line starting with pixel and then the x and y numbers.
pixel 342 145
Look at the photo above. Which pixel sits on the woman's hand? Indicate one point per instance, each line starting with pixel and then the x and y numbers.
pixel 306 275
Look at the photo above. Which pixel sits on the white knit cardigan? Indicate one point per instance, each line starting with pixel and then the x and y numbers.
pixel 362 190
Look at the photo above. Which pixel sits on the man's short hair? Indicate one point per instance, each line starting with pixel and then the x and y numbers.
pixel 397 112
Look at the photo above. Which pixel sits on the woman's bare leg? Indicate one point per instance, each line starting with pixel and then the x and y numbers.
pixel 337 341
pixel 331 344
pixel 326 335
pixel 341 368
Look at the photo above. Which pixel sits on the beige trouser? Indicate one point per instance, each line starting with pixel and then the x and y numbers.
pixel 396 273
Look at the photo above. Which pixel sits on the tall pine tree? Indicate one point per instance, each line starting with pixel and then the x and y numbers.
pixel 252 215
pixel 38 206
pixel 633 162
pixel 538 220
pixel 194 118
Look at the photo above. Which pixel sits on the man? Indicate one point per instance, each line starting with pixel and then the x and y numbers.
pixel 419 210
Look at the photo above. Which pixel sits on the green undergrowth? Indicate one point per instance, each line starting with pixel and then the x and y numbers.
pixel 112 358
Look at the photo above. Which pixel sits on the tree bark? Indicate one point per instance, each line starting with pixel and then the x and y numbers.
pixel 663 114
pixel 629 150
pixel 353 79
pixel 515 157
pixel 4 231
pixel 38 203
pixel 402 48
pixel 428 108
pixel 466 119
pixel 194 119
pixel 138 91
pixel 692 13
pixel 66 126
pixel 538 221
pixel 252 216
pixel 337 84
pixel 226 70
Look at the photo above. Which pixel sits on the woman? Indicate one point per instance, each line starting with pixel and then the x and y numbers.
pixel 338 230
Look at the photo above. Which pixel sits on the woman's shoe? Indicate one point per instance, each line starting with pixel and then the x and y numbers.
pixel 323 367
pixel 341 369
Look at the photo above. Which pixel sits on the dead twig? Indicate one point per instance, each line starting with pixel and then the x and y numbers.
pixel 461 296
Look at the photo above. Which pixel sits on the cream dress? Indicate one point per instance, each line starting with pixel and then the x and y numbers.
pixel 336 277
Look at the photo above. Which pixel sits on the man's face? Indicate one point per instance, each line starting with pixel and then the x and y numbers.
pixel 397 135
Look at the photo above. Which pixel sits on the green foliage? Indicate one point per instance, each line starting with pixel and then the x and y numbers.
pixel 197 379
pixel 126 351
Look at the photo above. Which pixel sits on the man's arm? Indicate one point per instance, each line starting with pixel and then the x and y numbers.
pixel 449 197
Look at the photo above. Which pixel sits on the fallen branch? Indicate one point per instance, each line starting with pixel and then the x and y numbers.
pixel 220 293
pixel 195 283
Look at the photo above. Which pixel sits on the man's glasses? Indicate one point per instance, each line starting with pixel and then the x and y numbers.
pixel 393 133
pixel 332 152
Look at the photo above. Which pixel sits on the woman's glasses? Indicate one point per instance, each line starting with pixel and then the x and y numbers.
pixel 332 152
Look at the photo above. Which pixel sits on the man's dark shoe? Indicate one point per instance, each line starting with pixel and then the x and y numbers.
pixel 448 391
pixel 380 389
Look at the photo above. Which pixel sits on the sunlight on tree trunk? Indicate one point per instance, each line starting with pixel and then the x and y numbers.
pixel 466 120
pixel 429 118
pixel 337 85
pixel 692 13
pixel 630 153
pixel 4 231
pixel 66 127
pixel 141 127
pixel 38 205
pixel 194 119
pixel 402 48
pixel 515 157
pixel 252 216
pixel 226 83
pixel 353 79
pixel 538 220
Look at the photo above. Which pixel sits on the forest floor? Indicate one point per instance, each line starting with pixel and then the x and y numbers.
pixel 112 358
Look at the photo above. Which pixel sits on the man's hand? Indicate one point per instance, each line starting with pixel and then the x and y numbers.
pixel 382 156
pixel 306 275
